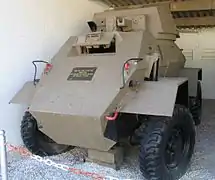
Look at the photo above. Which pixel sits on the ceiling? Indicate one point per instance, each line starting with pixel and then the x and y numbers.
pixel 187 13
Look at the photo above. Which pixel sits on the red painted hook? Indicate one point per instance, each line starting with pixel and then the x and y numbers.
pixel 112 118
pixel 127 66
pixel 48 68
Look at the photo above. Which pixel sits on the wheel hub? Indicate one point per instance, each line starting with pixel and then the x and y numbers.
pixel 174 149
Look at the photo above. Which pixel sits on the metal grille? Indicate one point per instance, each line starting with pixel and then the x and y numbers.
pixel 208 54
pixel 188 53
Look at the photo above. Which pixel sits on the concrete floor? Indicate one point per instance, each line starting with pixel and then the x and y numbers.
pixel 204 157
pixel 202 168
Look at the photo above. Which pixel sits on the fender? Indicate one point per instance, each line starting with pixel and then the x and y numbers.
pixel 158 97
pixel 194 75
pixel 25 95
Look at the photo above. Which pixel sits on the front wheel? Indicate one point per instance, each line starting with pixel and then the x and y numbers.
pixel 167 146
pixel 36 141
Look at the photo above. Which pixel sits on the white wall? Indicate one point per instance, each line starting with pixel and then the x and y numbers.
pixel 198 42
pixel 30 30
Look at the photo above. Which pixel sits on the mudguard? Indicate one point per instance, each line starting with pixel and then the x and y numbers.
pixel 25 95
pixel 194 75
pixel 155 97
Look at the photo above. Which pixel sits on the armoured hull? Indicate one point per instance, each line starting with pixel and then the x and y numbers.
pixel 70 101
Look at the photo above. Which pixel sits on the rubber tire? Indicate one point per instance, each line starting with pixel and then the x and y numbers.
pixel 36 141
pixel 153 143
pixel 196 105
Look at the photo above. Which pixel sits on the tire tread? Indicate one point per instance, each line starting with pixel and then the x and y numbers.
pixel 149 157
pixel 30 134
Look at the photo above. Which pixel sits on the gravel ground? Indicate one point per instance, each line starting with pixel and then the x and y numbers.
pixel 202 168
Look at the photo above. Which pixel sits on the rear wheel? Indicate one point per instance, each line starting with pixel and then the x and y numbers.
pixel 167 146
pixel 36 141
pixel 196 105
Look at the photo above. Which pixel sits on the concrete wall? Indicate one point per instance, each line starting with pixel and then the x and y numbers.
pixel 30 30
pixel 203 46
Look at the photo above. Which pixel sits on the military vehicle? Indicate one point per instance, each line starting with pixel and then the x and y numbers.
pixel 122 84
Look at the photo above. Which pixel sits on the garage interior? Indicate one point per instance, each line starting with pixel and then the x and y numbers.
pixel 39 35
